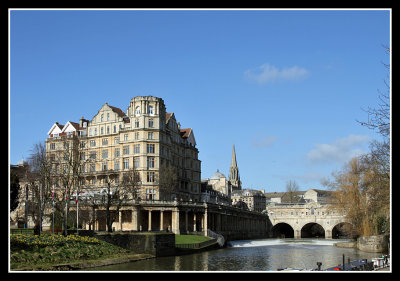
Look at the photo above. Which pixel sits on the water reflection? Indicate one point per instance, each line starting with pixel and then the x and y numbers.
pixel 251 255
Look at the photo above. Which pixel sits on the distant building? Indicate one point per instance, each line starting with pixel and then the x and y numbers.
pixel 219 187
pixel 210 195
pixel 285 197
pixel 317 195
pixel 311 195
pixel 255 200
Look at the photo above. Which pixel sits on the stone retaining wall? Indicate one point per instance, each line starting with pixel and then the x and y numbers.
pixel 157 244
pixel 373 244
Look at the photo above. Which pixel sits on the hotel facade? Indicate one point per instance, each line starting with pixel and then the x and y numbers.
pixel 145 138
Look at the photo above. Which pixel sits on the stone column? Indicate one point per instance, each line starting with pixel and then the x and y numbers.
pixel 135 219
pixel 194 222
pixel 161 220
pixel 328 234
pixel 149 221
pixel 175 221
pixel 205 226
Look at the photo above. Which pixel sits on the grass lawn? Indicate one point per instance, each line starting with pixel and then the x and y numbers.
pixel 190 239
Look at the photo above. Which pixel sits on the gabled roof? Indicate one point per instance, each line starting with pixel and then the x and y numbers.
pixel 168 116
pixel 185 132
pixel 118 111
pixel 320 191
pixel 75 125
pixel 55 126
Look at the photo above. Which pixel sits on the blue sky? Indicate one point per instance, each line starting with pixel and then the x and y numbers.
pixel 285 86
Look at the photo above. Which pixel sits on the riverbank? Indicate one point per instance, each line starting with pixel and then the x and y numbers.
pixel 55 252
pixel 79 265
pixel 58 253
pixel 371 244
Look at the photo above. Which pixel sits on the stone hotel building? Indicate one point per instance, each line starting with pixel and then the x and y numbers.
pixel 145 137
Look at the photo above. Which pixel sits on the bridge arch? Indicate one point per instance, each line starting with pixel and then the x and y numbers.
pixel 282 230
pixel 311 230
pixel 342 230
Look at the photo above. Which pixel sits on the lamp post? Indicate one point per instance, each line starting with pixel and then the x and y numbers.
pixel 26 205
pixel 66 212
pixel 40 208
pixel 76 202
pixel 53 207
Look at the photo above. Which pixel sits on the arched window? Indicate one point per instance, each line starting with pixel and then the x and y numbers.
pixel 137 111
pixel 150 110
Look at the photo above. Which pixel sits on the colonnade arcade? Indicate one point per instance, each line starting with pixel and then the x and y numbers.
pixel 184 218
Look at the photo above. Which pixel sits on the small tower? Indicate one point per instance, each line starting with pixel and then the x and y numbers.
pixel 234 177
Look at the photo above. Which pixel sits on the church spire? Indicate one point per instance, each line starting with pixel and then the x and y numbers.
pixel 234 172
pixel 233 162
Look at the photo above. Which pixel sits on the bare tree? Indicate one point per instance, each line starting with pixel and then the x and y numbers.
pixel 292 189
pixel 39 176
pixel 362 187
pixel 379 117
pixel 69 166
pixel 359 195
pixel 167 181
pixel 117 193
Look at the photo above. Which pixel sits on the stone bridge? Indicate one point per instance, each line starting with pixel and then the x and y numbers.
pixel 306 220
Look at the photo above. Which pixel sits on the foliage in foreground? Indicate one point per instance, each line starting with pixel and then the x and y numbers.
pixel 27 250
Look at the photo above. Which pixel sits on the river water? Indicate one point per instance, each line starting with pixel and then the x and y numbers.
pixel 252 255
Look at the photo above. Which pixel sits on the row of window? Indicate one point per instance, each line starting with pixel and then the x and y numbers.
pixel 104 141
pixel 311 212
pixel 125 163
pixel 150 178
pixel 150 149
pixel 150 110
pixel 107 132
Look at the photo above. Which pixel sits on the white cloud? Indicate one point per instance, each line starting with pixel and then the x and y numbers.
pixel 341 150
pixel 263 141
pixel 268 73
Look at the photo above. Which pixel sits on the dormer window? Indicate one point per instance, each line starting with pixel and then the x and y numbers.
pixel 102 118
pixel 137 111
